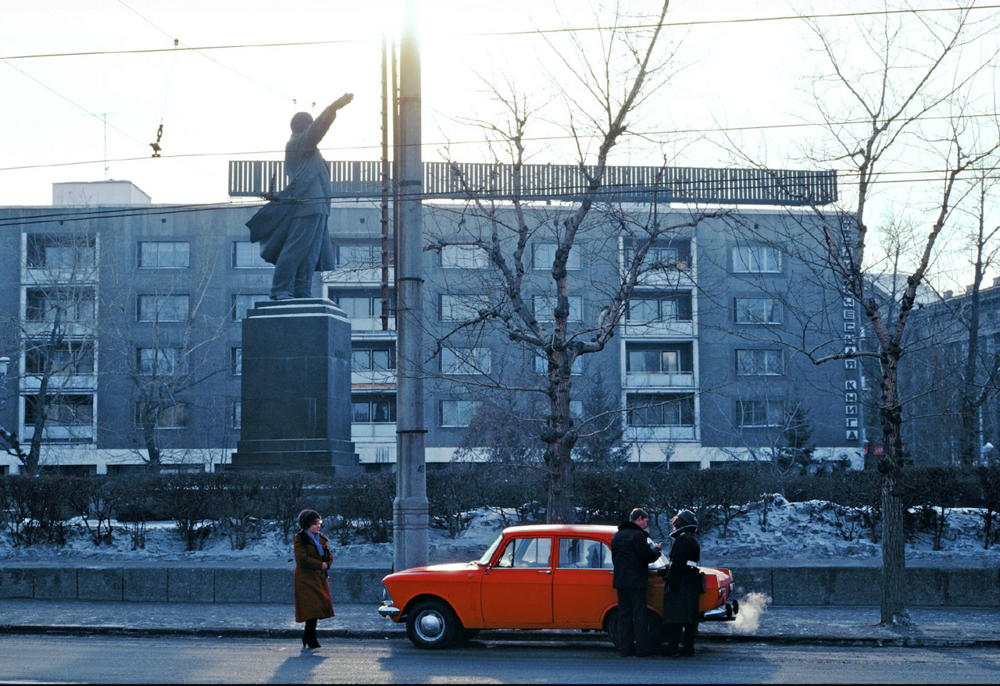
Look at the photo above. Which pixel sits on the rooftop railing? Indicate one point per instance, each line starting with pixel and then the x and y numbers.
pixel 442 180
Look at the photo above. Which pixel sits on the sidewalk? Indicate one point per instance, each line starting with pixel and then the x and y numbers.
pixel 826 625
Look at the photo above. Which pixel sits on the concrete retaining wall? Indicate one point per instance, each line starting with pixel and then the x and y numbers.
pixel 928 587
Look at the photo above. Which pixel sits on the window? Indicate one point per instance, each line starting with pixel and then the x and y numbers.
pixel 759 362
pixel 542 365
pixel 653 361
pixel 237 414
pixel 545 254
pixel 246 255
pixel 68 358
pixel 164 255
pixel 465 361
pixel 757 311
pixel 373 409
pixel 61 410
pixel 759 413
pixel 583 553
pixel 464 257
pixel 244 303
pixel 171 417
pixel 359 256
pixel 756 259
pixel 163 308
pixel 73 305
pixel 659 308
pixel 545 304
pixel 159 361
pixel 457 308
pixel 360 306
pixel 236 361
pixel 656 256
pixel 60 252
pixel 660 410
pixel 576 409
pixel 526 553
pixel 457 412
pixel 372 359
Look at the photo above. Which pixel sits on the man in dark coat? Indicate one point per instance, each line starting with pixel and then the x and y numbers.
pixel 631 553
pixel 683 587
pixel 302 245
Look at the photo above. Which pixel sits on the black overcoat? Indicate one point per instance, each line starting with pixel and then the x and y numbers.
pixel 683 589
pixel 631 555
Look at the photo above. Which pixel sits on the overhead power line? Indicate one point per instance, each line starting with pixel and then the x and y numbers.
pixel 672 132
pixel 527 32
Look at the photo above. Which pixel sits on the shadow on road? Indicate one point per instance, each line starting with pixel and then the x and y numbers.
pixel 298 668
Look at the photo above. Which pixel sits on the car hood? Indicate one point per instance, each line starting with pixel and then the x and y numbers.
pixel 438 569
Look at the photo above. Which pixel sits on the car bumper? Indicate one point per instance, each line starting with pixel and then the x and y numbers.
pixel 389 610
pixel 723 613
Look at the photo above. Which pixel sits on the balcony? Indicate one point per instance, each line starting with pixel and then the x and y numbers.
pixel 660 434
pixel 61 433
pixel 368 433
pixel 75 330
pixel 667 328
pixel 667 279
pixel 59 383
pixel 371 378
pixel 371 324
pixel 645 380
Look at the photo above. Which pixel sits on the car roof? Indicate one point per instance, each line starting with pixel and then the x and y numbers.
pixel 584 529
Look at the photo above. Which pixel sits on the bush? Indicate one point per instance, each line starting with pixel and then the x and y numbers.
pixel 240 498
pixel 33 508
pixel 364 504
pixel 187 499
pixel 95 501
pixel 135 494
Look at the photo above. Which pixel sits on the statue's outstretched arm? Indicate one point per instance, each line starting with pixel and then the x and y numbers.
pixel 317 130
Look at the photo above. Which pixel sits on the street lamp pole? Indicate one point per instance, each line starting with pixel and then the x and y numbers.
pixel 410 510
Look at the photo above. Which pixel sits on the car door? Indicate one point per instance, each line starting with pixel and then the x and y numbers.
pixel 581 584
pixel 517 588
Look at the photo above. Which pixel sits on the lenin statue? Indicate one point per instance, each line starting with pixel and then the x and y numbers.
pixel 293 231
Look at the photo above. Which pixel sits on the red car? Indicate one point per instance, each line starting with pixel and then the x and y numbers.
pixel 532 577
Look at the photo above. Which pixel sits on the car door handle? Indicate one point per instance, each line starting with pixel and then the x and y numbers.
pixel 545 571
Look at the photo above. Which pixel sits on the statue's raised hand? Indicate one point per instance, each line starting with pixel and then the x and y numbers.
pixel 343 100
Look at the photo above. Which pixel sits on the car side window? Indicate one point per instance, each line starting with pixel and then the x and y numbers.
pixel 584 553
pixel 526 553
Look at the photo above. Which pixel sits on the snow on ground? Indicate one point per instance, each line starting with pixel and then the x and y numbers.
pixel 811 530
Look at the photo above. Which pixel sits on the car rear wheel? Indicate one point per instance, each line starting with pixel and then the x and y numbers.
pixel 431 625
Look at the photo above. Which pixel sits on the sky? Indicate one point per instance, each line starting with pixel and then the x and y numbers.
pixel 62 116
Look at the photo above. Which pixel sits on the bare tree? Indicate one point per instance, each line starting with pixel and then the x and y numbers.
pixel 909 86
pixel 55 336
pixel 166 345
pixel 551 318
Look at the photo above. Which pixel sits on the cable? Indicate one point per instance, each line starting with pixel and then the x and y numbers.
pixel 722 129
pixel 492 34
pixel 78 106
pixel 178 43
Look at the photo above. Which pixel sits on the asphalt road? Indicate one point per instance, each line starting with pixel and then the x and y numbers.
pixel 90 659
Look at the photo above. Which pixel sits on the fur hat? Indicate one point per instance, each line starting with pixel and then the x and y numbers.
pixel 685 518
pixel 307 518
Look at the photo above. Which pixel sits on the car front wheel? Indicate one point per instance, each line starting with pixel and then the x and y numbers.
pixel 431 625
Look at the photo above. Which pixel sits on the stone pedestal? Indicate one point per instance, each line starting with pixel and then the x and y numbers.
pixel 296 388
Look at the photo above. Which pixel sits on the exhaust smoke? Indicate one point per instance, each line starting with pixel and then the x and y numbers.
pixel 751 608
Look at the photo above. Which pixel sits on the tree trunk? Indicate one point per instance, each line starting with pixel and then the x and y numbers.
pixel 559 441
pixel 890 466
pixel 149 439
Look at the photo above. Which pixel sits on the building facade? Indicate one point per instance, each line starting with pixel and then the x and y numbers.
pixel 706 366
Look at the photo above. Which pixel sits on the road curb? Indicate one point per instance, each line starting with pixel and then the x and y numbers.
pixel 506 636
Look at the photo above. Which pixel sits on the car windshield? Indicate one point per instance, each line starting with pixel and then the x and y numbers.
pixel 485 559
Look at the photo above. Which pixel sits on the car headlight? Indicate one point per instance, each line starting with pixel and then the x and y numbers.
pixel 386 598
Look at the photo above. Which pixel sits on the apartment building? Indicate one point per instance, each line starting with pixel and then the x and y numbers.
pixel 706 365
